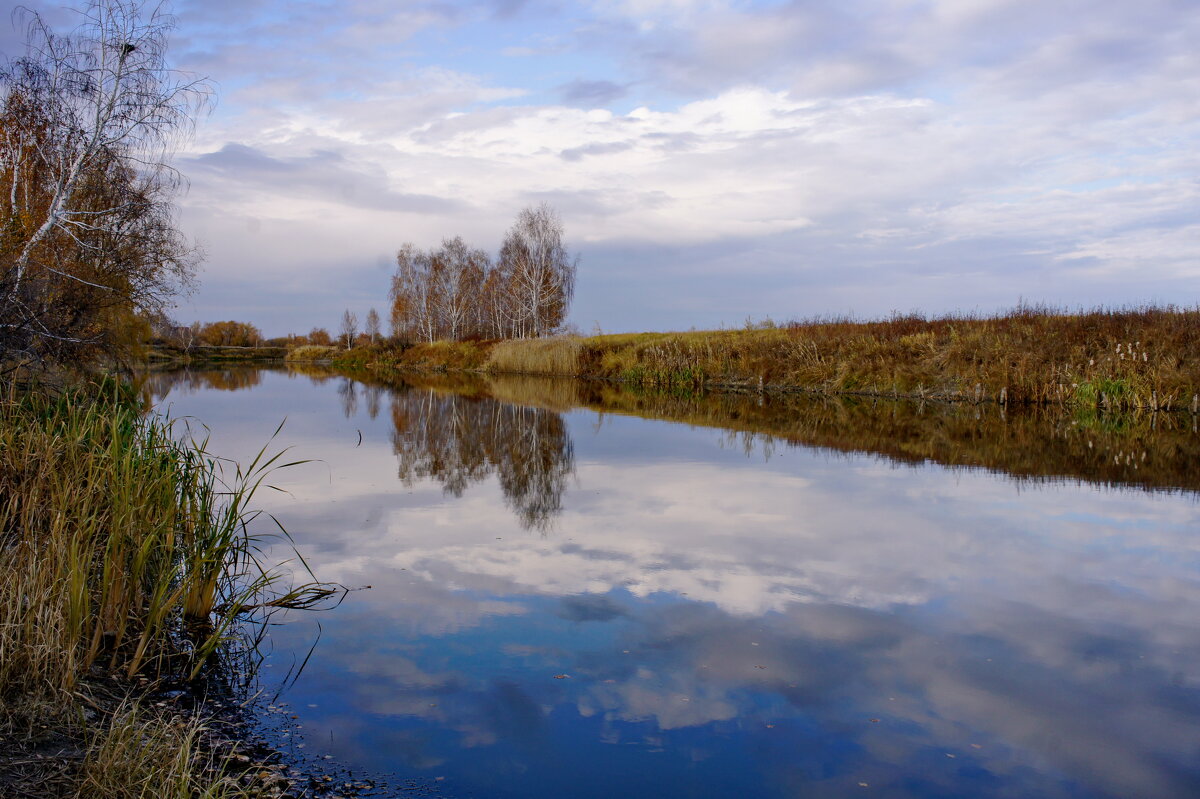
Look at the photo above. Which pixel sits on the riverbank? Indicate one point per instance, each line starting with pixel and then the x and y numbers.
pixel 200 355
pixel 1111 359
pixel 131 578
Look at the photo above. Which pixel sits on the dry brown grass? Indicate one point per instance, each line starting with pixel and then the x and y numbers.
pixel 311 352
pixel 438 356
pixel 125 549
pixel 140 754
pixel 1126 358
pixel 546 356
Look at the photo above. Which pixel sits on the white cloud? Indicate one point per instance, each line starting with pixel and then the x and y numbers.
pixel 1011 142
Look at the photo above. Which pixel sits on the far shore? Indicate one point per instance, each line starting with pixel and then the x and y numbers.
pixel 1141 359
pixel 1136 359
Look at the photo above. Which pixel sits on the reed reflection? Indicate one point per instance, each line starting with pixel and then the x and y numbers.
pixel 459 440
pixel 1152 451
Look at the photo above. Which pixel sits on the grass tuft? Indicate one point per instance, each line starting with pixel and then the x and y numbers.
pixel 557 357
pixel 127 549
pixel 312 352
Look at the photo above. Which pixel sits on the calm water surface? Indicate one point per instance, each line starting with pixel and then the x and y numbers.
pixel 567 603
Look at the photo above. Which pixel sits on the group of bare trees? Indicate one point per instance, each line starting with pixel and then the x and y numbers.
pixel 88 122
pixel 458 292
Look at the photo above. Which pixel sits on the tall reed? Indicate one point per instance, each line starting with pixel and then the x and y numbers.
pixel 544 356
pixel 122 544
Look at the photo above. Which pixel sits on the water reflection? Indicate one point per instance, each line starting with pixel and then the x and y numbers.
pixel 458 440
pixel 512 427
pixel 157 385
pixel 836 621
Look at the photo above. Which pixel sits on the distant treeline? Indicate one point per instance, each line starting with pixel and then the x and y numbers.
pixel 452 293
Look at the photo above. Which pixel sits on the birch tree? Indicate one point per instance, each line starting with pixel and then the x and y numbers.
pixel 372 329
pixel 349 327
pixel 541 273
pixel 460 271
pixel 88 124
pixel 457 291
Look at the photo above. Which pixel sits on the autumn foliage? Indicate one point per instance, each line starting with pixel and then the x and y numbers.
pixel 457 292
pixel 87 233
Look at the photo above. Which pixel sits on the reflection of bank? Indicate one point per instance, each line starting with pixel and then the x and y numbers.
pixel 188 381
pixel 459 440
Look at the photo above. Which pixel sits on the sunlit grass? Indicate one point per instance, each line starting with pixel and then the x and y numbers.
pixel 548 356
pixel 1125 358
pixel 311 352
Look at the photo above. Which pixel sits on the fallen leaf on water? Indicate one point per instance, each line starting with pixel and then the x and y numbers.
pixel 561 676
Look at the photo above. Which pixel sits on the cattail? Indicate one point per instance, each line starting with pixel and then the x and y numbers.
pixel 1195 404
pixel 1004 395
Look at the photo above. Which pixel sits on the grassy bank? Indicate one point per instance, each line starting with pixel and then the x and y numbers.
pixel 311 353
pixel 129 560
pixel 438 356
pixel 204 354
pixel 1112 359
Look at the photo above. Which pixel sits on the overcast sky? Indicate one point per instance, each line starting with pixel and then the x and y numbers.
pixel 712 161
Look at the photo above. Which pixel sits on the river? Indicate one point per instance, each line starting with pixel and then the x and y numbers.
pixel 581 592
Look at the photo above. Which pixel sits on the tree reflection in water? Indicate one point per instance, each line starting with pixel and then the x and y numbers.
pixel 188 381
pixel 348 394
pixel 459 429
pixel 459 440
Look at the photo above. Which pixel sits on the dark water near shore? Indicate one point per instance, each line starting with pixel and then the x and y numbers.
pixel 574 601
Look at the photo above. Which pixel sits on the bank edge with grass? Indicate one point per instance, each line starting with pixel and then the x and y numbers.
pixel 1108 359
pixel 130 560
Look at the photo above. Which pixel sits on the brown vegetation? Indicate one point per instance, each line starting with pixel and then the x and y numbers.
pixel 1140 449
pixel 1116 359
pixel 1111 359
pixel 87 122
pixel 312 352
pixel 127 554
pixel 438 356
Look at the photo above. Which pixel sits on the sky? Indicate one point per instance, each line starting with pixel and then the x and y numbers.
pixel 713 161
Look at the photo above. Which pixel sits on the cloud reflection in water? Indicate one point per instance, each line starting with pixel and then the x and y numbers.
pixel 724 625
